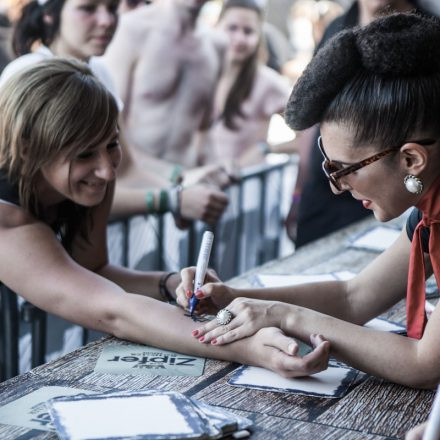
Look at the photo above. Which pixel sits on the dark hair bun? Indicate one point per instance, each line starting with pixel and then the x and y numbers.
pixel 334 64
pixel 398 45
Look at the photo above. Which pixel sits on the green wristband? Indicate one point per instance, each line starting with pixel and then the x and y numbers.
pixel 164 202
pixel 176 175
pixel 149 199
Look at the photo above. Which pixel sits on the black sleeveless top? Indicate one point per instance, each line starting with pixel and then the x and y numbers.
pixel 413 220
pixel 8 192
pixel 70 220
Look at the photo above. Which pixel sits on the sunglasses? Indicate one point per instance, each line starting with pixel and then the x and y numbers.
pixel 334 171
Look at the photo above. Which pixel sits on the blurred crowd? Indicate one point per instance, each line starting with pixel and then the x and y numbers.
pixel 198 84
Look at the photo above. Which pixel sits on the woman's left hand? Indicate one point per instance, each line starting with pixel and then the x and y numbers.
pixel 270 348
pixel 248 316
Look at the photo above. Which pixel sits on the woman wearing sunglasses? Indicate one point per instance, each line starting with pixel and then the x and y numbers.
pixel 376 93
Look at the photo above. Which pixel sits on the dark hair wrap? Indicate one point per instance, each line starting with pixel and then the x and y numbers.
pixel 396 48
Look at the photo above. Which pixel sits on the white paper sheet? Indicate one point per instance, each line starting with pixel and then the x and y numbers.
pixel 376 239
pixel 384 325
pixel 332 382
pixel 274 280
pixel 114 417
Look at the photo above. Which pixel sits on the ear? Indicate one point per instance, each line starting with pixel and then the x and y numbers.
pixel 24 151
pixel 414 158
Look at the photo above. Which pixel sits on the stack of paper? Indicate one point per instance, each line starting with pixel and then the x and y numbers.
pixel 148 414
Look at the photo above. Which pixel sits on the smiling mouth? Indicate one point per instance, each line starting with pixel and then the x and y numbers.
pixel 95 185
pixel 104 38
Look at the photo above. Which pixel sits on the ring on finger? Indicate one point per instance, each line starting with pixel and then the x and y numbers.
pixel 224 317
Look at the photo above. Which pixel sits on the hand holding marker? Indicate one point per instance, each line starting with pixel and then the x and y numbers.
pixel 202 265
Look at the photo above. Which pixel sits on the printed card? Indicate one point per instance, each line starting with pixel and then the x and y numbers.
pixel 142 359
pixel 30 411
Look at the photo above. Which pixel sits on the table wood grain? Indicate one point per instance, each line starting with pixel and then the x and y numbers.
pixel 372 409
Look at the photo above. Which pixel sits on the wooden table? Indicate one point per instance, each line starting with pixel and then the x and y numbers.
pixel 372 409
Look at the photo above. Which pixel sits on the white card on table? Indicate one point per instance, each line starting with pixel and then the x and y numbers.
pixel 275 280
pixel 124 416
pixel 377 239
pixel 384 325
pixel 30 410
pixel 333 382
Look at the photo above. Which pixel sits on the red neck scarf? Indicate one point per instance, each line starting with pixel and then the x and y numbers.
pixel 415 295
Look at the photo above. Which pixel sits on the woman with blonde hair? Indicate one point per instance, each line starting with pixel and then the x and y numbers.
pixel 59 153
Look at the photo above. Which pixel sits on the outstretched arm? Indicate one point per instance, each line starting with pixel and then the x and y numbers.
pixel 56 283
pixel 337 311
pixel 380 285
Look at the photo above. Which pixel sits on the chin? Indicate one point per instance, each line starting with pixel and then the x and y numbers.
pixel 89 202
pixel 239 57
pixel 384 216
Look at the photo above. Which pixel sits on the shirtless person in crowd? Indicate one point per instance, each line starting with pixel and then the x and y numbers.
pixel 165 73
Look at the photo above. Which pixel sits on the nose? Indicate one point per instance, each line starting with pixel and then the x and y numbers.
pixel 343 186
pixel 105 167
pixel 105 17
pixel 240 38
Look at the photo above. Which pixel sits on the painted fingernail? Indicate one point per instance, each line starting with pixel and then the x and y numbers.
pixel 214 341
pixel 195 332
pixel 188 294
pixel 202 339
pixel 199 294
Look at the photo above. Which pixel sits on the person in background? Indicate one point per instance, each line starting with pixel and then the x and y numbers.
pixel 375 91
pixel 83 29
pixel 5 26
pixel 320 212
pixel 248 93
pixel 165 71
pixel 59 152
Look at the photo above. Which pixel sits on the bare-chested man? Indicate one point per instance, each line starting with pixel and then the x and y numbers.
pixel 165 73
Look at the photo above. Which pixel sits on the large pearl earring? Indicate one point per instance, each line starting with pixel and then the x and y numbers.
pixel 413 184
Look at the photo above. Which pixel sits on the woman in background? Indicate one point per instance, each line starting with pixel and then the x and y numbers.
pixel 248 93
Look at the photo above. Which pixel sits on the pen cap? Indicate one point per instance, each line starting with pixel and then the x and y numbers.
pixel 203 259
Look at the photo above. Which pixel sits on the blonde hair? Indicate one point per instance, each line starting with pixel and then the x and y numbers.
pixel 54 107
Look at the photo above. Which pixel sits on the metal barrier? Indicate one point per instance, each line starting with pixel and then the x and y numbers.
pixel 247 235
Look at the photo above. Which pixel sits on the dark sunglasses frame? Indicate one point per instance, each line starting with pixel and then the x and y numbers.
pixel 335 175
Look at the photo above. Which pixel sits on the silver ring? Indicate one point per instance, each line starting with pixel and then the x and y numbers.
pixel 224 317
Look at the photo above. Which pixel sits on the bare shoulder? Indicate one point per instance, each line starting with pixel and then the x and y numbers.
pixel 270 92
pixel 136 23
pixel 269 79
